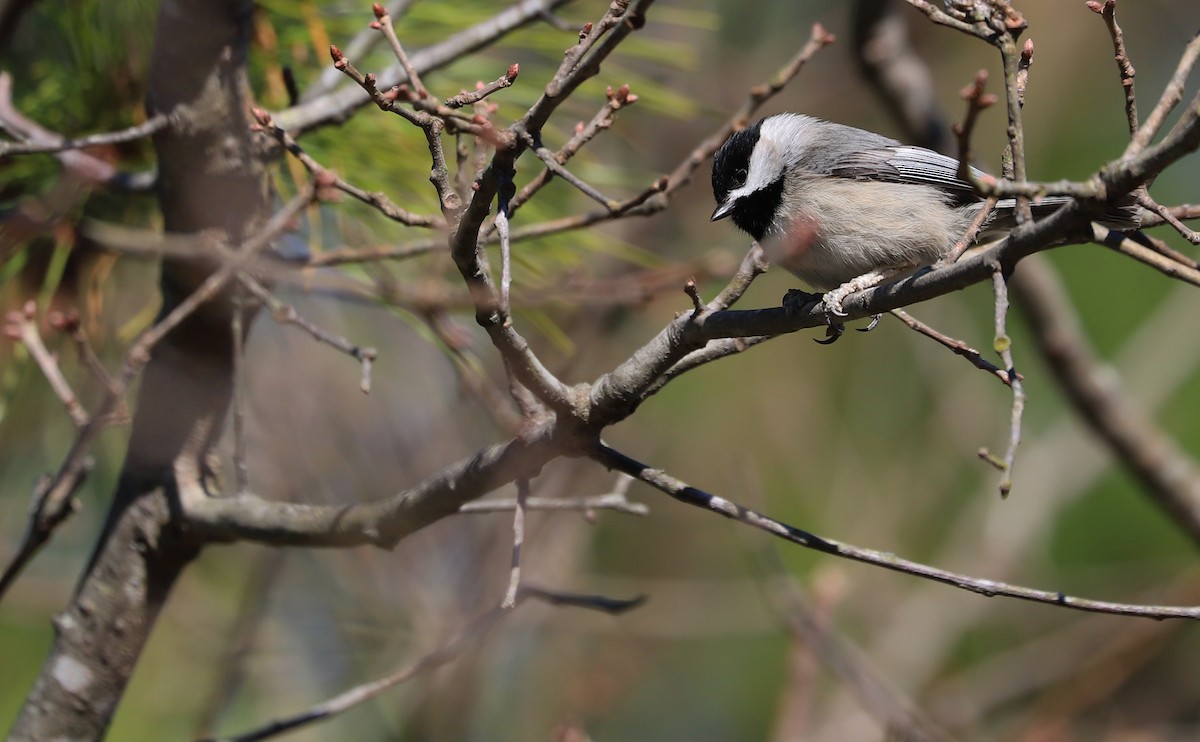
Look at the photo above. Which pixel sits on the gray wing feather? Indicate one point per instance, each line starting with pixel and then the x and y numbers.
pixel 907 164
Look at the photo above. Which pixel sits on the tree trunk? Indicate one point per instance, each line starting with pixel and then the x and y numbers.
pixel 210 178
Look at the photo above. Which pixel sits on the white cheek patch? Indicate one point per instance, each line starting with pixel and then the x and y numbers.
pixel 766 165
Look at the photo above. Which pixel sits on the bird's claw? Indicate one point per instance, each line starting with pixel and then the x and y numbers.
pixel 834 331
pixel 797 301
pixel 874 323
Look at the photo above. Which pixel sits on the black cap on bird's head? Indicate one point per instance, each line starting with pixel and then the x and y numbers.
pixel 752 205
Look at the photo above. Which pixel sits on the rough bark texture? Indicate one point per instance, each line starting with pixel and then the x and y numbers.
pixel 210 177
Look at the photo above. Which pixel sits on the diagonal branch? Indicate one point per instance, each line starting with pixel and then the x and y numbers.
pixel 337 106
pixel 689 495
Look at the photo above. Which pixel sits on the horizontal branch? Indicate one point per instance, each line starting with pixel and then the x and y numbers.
pixel 382 523
pixel 55 143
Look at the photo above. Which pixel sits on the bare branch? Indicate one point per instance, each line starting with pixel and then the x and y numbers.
pixel 1126 245
pixel 447 652
pixel 977 100
pixel 330 179
pixel 689 495
pixel 611 501
pixel 1167 216
pixel 514 581
pixel 384 24
pixel 1002 344
pixel 482 91
pixel 383 523
pixel 42 142
pixel 337 106
pixel 286 314
pixel 88 167
pixel 1108 11
pixel 956 346
pixel 1171 95
pixel 21 325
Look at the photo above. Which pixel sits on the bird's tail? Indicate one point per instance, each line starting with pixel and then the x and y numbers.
pixel 1124 216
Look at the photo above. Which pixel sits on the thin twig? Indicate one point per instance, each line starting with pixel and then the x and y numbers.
pixel 21 325
pixel 1016 67
pixel 482 91
pixel 286 314
pixel 71 323
pixel 610 501
pixel 505 258
pixel 57 143
pixel 650 201
pixel 1126 245
pixel 972 232
pixel 1171 95
pixel 553 165
pixel 331 179
pixel 514 579
pixel 1002 344
pixel 237 326
pixel 958 347
pixel 1144 199
pixel 389 31
pixel 90 168
pixel 1162 248
pixel 1108 11
pixel 447 652
pixel 940 17
pixel 689 495
pixel 977 100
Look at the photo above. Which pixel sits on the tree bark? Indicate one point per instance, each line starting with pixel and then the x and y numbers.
pixel 211 177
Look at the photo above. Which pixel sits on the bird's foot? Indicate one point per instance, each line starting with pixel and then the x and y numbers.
pixel 795 301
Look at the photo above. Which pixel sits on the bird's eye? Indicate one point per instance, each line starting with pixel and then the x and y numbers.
pixel 739 176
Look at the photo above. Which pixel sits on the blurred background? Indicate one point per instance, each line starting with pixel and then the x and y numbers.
pixel 871 441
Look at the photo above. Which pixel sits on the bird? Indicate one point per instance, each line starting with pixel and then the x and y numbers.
pixel 846 209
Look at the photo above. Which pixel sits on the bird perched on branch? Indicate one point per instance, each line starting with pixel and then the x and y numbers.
pixel 846 209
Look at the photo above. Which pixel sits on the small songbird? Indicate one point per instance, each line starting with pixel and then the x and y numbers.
pixel 846 209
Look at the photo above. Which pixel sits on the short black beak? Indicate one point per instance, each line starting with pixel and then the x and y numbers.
pixel 722 211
